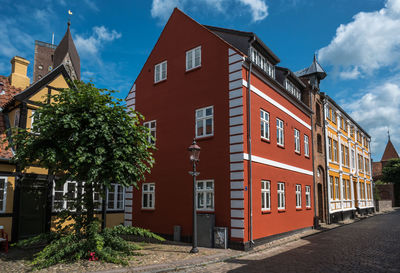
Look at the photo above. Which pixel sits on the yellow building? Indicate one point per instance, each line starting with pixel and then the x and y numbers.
pixel 29 199
pixel 348 160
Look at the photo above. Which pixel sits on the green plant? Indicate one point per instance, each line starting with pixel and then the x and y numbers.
pixel 106 245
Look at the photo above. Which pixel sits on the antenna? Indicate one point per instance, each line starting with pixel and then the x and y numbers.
pixel 388 134
pixel 52 39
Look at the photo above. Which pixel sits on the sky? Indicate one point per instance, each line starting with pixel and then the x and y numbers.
pixel 357 43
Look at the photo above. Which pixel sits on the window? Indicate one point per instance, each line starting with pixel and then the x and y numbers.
pixel 296 141
pixel 342 153
pixel 281 195
pixel 264 64
pixel 334 116
pixel 328 113
pixel 265 195
pixel 3 193
pixel 346 156
pixel 345 126
pixel 151 125
pixel 308 197
pixel 205 195
pixel 352 131
pixel 16 118
pixel 318 113
pixel 204 121
pixel 367 165
pixel 306 146
pixel 64 195
pixel 335 151
pixel 331 186
pixel 348 189
pixel 160 72
pixel 115 197
pixel 264 124
pixel 298 196
pixel 337 193
pixel 343 182
pixel 330 148
pixel 280 132
pixel 292 89
pixel 319 143
pixel 353 159
pixel 193 58
pixel 148 195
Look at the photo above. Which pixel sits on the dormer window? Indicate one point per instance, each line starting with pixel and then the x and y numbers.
pixel 291 88
pixel 259 60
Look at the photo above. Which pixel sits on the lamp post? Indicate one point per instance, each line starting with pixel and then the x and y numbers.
pixel 194 150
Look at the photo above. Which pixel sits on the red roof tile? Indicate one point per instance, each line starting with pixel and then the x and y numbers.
pixel 7 92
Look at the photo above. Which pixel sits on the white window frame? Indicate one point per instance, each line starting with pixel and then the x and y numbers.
pixel 191 56
pixel 353 159
pixel 298 196
pixel 291 88
pixel 3 207
pixel 265 195
pixel 308 196
pixel 335 150
pixel 203 119
pixel 159 73
pixel 330 149
pixel 296 141
pixel 17 117
pixel 151 138
pixel 264 116
pixel 337 188
pixel 281 195
pixel 150 191
pixel 116 201
pixel 202 195
pixel 262 62
pixel 306 146
pixel 280 132
pixel 331 187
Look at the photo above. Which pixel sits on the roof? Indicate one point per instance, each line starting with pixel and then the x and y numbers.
pixel 65 47
pixel 292 75
pixel 390 152
pixel 314 68
pixel 241 40
pixel 7 92
pixel 347 115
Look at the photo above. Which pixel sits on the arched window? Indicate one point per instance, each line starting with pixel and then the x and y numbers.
pixel 319 143
pixel 318 113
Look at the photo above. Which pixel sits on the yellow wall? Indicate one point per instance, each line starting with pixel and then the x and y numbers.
pixel 113 219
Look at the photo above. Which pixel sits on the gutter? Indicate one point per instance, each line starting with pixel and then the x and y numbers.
pixel 249 146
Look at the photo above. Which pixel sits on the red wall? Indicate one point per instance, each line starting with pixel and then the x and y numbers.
pixel 274 222
pixel 173 103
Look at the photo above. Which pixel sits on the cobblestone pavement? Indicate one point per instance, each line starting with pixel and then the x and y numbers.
pixel 370 245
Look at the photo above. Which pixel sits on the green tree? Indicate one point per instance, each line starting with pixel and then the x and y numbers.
pixel 84 134
pixel 391 173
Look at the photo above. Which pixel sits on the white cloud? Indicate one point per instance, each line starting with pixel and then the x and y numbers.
pixel 91 45
pixel 368 43
pixel 92 5
pixel 258 8
pixel 377 110
pixel 162 9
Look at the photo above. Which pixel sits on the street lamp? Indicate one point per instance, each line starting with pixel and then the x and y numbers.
pixel 194 150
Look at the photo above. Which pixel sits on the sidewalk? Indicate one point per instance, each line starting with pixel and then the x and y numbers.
pixel 225 254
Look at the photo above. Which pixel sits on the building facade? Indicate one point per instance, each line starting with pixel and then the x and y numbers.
pixel 251 121
pixel 30 200
pixel 349 176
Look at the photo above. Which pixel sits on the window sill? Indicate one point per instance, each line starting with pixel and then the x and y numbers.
pixel 280 146
pixel 297 152
pixel 161 81
pixel 204 137
pixel 281 210
pixel 307 156
pixel 266 212
pixel 308 208
pixel 148 209
pixel 205 211
pixel 299 209
pixel 193 69
pixel 265 140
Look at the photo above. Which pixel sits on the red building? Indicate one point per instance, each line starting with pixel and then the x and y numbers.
pixel 195 84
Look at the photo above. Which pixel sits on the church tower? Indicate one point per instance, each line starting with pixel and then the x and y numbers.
pixel 49 56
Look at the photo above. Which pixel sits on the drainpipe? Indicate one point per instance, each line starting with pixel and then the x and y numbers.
pixel 316 224
pixel 328 218
pixel 249 147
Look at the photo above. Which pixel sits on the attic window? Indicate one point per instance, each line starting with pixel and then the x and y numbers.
pixel 292 89
pixel 259 60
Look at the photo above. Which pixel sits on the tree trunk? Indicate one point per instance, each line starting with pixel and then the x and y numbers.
pixel 89 204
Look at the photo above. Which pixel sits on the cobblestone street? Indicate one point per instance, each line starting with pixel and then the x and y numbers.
pixel 370 245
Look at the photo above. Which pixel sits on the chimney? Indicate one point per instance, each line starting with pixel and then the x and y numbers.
pixel 19 69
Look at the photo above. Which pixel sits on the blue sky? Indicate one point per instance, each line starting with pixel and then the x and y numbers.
pixel 358 43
